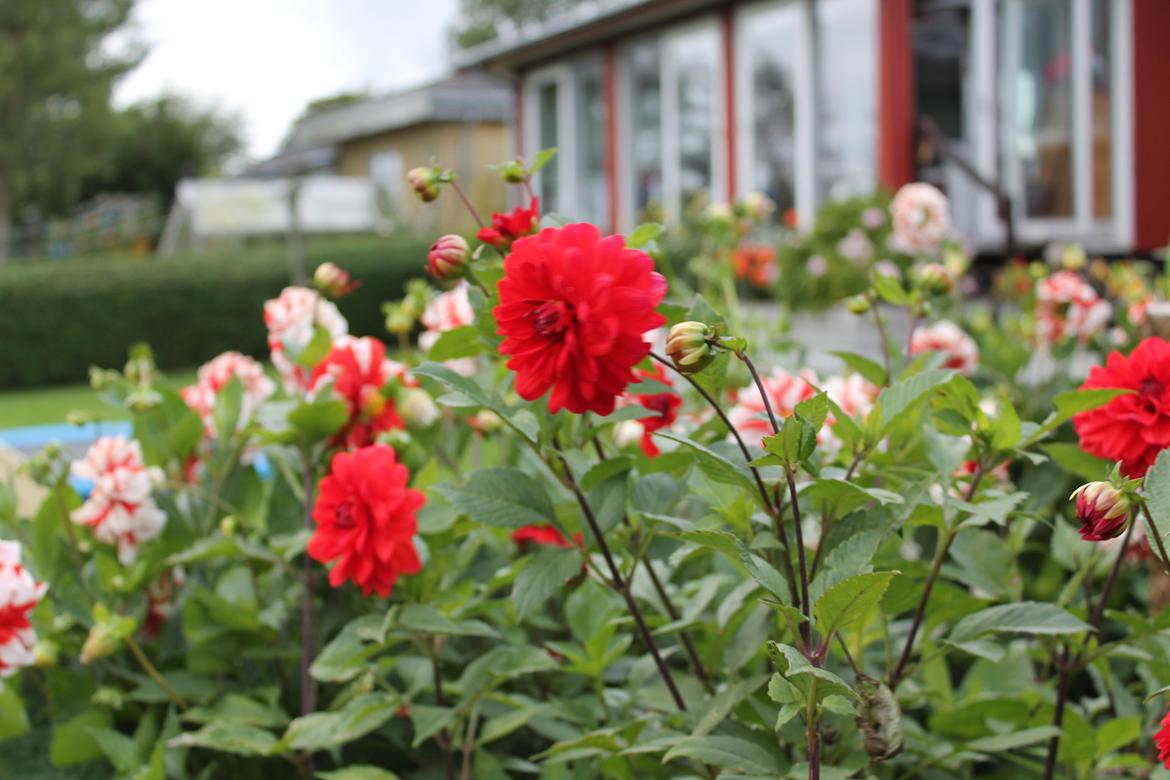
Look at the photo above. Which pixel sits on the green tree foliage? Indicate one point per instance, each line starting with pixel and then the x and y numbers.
pixel 481 20
pixel 56 75
pixel 154 144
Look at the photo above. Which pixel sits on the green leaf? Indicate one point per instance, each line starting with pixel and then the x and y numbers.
pixel 850 601
pixel 716 467
pixel 319 419
pixel 869 369
pixel 461 342
pixel 1073 402
pixel 324 730
pixel 1076 461
pixel 313 352
pixel 733 753
pixel 1012 740
pixel 644 234
pixel 890 290
pixel 840 497
pixel 767 575
pixel 477 396
pixel 227 737
pixel 898 400
pixel 796 441
pixel 542 158
pixel 814 410
pixel 429 720
pixel 608 500
pixel 543 575
pixel 428 620
pixel 1156 487
pixel 603 470
pixel 73 741
pixel 1026 617
pixel 1117 733
pixel 502 497
pixel 344 658
pixel 119 749
pixel 13 716
pixel 226 413
pixel 1005 429
pixel 358 773
pixel 236 708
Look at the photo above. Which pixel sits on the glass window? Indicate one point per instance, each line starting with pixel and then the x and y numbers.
pixel 645 87
pixel 694 58
pixel 847 96
pixel 546 137
pixel 589 118
pixel 1101 76
pixel 772 39
pixel 1043 108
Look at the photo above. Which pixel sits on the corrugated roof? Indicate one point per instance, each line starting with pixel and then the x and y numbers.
pixel 465 96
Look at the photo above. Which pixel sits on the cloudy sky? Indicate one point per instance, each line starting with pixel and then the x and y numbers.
pixel 265 59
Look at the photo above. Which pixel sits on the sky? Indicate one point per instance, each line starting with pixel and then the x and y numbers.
pixel 265 59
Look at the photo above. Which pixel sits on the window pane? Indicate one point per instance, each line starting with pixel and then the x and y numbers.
pixel 1101 68
pixel 546 99
pixel 694 57
pixel 847 91
pixel 773 40
pixel 1043 108
pixel 592 198
pixel 646 129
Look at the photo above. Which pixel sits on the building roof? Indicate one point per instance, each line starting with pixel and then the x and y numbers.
pixel 588 23
pixel 468 95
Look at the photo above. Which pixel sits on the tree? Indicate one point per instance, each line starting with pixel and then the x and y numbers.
pixel 56 76
pixel 154 144
pixel 481 20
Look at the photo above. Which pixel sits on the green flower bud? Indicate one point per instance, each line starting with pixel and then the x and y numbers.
pixel 424 182
pixel 688 345
pixel 859 304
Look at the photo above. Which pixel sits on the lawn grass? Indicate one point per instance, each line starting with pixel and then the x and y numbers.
pixel 47 405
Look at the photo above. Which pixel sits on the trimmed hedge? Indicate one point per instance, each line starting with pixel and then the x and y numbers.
pixel 59 318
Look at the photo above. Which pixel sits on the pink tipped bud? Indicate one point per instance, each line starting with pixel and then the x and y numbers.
pixel 688 345
pixel 424 182
pixel 332 281
pixel 1103 511
pixel 448 257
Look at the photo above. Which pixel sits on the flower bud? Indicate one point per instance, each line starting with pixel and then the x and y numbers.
pixel 935 279
pixel 332 281
pixel 486 421
pixel 859 304
pixel 1103 511
pixel 757 206
pixel 447 258
pixel 107 634
pixel 1073 257
pixel 398 319
pixel 514 172
pixel 416 408
pixel 718 214
pixel 424 182
pixel 688 346
pixel 228 525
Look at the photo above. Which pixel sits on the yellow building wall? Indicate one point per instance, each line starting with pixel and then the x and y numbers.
pixel 467 149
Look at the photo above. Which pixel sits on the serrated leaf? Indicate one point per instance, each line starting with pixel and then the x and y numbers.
pixel 1012 740
pixel 543 575
pixel 840 497
pixel 502 497
pixel 318 420
pixel 1156 487
pixel 644 234
pixel 896 401
pixel 225 737
pixel 850 601
pixel 1026 617
pixel 716 467
pixel 461 342
pixel 872 371
pixel 324 730
pixel 734 753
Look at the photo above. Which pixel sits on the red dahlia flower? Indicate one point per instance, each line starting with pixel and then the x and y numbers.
pixel 573 310
pixel 528 535
pixel 506 228
pixel 1162 741
pixel 664 404
pixel 366 522
pixel 357 369
pixel 1135 427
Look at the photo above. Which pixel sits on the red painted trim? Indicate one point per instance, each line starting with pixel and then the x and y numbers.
pixel 896 120
pixel 610 146
pixel 727 22
pixel 1151 117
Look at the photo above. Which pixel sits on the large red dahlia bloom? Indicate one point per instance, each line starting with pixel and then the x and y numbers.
pixel 506 228
pixel 366 522
pixel 1135 427
pixel 573 310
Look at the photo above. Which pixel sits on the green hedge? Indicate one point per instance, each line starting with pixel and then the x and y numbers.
pixel 59 318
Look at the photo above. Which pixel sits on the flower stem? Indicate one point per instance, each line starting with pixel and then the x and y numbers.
pixel 307 599
pixel 940 554
pixel 760 386
pixel 474 279
pixel 621 584
pixel 1163 558
pixel 154 673
pixel 881 329
pixel 1065 665
pixel 806 608
pixel 444 736
pixel 466 202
